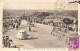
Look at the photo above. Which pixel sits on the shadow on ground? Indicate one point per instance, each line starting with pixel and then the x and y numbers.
pixel 32 38
pixel 34 31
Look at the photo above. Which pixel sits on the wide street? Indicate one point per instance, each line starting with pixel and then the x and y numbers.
pixel 39 37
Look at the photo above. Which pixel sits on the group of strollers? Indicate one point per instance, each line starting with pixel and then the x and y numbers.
pixel 7 42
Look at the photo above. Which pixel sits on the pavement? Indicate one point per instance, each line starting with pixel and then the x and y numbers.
pixel 39 37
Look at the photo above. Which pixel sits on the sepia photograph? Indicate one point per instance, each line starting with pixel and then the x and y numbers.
pixel 40 24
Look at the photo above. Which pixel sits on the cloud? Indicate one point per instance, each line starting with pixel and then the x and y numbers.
pixel 40 5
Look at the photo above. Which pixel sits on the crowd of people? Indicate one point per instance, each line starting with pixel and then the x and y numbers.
pixel 11 23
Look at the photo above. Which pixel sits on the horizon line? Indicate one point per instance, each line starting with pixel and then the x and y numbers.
pixel 38 9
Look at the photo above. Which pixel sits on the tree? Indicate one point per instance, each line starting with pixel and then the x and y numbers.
pixel 67 21
pixel 76 25
pixel 76 22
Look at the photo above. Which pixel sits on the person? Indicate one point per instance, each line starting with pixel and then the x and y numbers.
pixel 6 41
pixel 13 25
pixel 8 44
pixel 29 28
pixel 11 44
pixel 3 41
pixel 53 29
pixel 17 25
pixel 22 34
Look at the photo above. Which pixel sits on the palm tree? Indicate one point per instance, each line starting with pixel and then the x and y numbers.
pixel 67 21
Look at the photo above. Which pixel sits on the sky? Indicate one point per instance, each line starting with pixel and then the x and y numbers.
pixel 39 4
pixel 37 0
